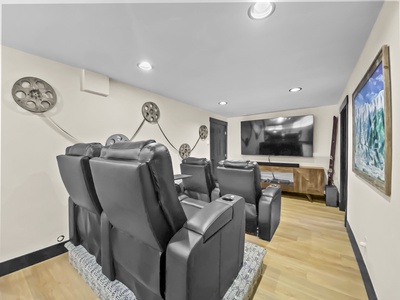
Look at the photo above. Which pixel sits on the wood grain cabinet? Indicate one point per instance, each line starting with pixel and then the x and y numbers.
pixel 304 180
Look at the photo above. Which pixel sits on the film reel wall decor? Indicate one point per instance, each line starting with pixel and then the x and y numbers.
pixel 151 113
pixel 203 132
pixel 184 151
pixel 116 138
pixel 37 96
pixel 34 94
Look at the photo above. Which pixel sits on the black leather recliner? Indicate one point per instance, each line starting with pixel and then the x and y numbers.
pixel 148 243
pixel 201 183
pixel 263 207
pixel 84 207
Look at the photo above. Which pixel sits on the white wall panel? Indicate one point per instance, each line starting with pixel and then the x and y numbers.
pixel 33 203
pixel 373 216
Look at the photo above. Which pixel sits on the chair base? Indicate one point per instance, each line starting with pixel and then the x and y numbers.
pixel 241 289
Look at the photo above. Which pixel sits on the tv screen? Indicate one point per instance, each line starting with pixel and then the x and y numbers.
pixel 283 136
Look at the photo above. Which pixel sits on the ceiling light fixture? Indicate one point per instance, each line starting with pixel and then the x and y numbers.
pixel 144 65
pixel 295 89
pixel 261 10
pixel 223 103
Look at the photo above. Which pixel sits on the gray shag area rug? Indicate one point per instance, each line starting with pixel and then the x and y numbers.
pixel 242 288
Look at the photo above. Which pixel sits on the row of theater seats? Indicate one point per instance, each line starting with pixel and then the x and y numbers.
pixel 124 209
pixel 242 178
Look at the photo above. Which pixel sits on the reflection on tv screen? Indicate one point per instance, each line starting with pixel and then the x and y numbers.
pixel 283 136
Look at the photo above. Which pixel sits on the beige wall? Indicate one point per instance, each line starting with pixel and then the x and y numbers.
pixel 33 202
pixel 1 88
pixel 33 206
pixel 373 216
pixel 323 117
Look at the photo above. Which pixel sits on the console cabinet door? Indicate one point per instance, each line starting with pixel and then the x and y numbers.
pixel 309 180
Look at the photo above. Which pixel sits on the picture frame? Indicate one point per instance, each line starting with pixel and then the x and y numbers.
pixel 372 124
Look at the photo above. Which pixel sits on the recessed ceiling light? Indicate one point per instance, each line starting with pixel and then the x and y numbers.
pixel 144 65
pixel 261 10
pixel 223 103
pixel 295 89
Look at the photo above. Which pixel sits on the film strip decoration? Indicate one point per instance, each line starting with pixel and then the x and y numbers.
pixel 151 113
pixel 37 96
pixel 185 150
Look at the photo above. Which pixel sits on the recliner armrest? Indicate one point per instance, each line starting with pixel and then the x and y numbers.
pixel 269 212
pixel 215 193
pixel 73 231
pixel 270 191
pixel 211 218
pixel 107 266
pixel 205 255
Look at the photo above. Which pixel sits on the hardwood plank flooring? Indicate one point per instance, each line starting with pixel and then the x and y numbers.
pixel 53 279
pixel 309 257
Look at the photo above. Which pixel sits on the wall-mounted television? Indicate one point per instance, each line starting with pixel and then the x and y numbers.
pixel 283 136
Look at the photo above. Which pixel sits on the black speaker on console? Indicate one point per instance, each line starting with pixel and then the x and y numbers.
pixel 278 164
pixel 331 195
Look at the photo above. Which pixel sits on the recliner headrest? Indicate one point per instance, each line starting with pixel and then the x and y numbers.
pixel 195 161
pixel 237 164
pixel 119 150
pixel 84 149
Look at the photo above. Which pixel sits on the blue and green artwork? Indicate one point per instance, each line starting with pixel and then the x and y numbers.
pixel 369 127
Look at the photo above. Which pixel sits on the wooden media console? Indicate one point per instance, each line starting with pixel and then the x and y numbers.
pixel 304 180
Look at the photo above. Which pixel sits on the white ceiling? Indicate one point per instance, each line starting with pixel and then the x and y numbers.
pixel 204 53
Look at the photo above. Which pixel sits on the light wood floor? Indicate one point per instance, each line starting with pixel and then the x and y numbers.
pixel 309 257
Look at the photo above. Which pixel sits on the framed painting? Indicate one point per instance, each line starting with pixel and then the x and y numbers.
pixel 372 125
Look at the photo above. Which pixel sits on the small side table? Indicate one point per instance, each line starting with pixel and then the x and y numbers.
pixel 179 185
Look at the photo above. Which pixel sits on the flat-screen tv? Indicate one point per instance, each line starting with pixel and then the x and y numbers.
pixel 283 136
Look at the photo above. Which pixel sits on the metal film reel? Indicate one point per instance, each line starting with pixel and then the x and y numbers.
pixel 203 132
pixel 116 138
pixel 184 151
pixel 151 112
pixel 34 94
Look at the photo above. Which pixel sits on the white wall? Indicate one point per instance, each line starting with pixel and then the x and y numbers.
pixel 33 203
pixel 1 13
pixel 373 216
pixel 323 118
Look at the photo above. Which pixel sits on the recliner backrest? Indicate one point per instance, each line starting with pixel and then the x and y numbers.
pixel 84 206
pixel 77 177
pixel 135 184
pixel 240 178
pixel 201 183
pixel 137 196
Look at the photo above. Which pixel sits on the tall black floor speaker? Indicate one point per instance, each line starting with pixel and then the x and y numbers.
pixel 331 195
